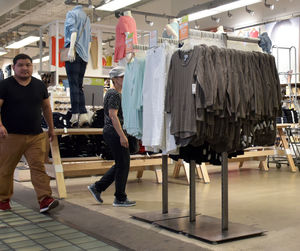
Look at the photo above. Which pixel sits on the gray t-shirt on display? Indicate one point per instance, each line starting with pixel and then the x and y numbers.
pixel 180 96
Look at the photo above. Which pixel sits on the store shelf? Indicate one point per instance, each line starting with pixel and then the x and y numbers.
pixel 288 97
pixel 292 84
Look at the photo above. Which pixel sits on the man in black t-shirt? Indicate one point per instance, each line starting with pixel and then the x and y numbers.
pixel 22 99
pixel 115 137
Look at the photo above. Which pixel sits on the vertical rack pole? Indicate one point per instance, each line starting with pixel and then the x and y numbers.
pixel 224 191
pixel 56 52
pixel 41 49
pixel 165 184
pixel 192 191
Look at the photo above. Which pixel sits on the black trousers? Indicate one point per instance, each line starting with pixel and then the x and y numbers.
pixel 75 72
pixel 119 171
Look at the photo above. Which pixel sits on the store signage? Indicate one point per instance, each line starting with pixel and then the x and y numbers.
pixel 129 43
pixel 184 28
pixel 153 39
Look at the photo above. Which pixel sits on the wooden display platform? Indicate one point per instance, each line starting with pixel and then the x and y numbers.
pixel 73 167
pixel 254 153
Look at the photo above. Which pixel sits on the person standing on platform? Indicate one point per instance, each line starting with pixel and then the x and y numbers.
pixel 22 99
pixel 117 141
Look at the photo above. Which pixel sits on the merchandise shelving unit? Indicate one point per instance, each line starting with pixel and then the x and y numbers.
pixel 291 76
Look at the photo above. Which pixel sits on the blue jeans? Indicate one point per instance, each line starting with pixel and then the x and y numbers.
pixel 75 72
pixel 119 171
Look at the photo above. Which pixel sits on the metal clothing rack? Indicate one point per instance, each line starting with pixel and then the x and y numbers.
pixel 206 34
pixel 203 227
pixel 141 47
pixel 160 40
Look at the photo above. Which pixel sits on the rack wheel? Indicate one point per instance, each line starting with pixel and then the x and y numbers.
pixel 278 165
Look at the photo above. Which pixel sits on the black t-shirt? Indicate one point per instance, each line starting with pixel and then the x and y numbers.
pixel 21 109
pixel 112 100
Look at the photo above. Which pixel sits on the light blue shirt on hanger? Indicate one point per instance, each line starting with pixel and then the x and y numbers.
pixel 132 97
pixel 75 22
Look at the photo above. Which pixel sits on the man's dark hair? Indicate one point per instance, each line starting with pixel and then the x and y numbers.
pixel 21 56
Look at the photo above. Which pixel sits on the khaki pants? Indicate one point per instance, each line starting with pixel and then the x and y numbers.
pixel 33 147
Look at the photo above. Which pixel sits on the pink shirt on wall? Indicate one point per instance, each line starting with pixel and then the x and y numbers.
pixel 125 24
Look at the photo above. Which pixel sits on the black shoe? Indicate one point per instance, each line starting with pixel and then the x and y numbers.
pixel 125 203
pixel 95 193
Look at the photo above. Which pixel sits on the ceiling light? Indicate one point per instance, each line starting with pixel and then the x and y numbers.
pixel 270 6
pixel 216 19
pixel 115 4
pixel 23 42
pixel 251 12
pixel 222 8
pixel 2 51
pixel 229 14
pixel 37 60
pixel 151 23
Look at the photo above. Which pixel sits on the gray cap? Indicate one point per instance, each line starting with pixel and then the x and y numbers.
pixel 118 71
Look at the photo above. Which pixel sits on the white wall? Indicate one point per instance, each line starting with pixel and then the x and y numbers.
pixel 285 34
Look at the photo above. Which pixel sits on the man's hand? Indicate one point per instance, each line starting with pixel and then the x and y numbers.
pixel 3 131
pixel 51 134
pixel 124 141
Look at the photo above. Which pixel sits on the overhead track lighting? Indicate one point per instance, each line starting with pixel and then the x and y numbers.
pixel 229 14
pixel 151 23
pixel 113 5
pixel 270 6
pixel 216 19
pixel 215 7
pixel 251 12
pixel 25 41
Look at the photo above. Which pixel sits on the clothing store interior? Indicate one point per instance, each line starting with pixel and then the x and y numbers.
pixel 199 99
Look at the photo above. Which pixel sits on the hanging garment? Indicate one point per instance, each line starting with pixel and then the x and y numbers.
pixel 132 99
pixel 181 96
pixel 78 21
pixel 153 97
pixel 228 104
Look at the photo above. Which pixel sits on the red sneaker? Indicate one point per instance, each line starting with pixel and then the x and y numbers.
pixel 4 205
pixel 47 204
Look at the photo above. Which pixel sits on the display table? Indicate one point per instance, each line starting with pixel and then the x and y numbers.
pixel 73 167
pixel 253 153
pixel 280 129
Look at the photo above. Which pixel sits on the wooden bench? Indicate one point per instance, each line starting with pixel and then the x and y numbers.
pixel 258 154
pixel 59 168
pixel 255 153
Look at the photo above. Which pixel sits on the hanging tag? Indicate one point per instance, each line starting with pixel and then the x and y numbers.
pixel 186 57
pixel 194 88
pixel 129 43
